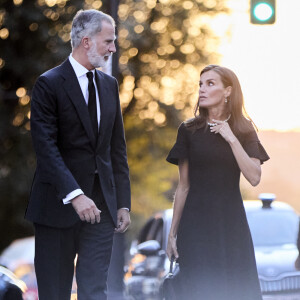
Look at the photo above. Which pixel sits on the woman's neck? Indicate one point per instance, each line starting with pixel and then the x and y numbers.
pixel 216 115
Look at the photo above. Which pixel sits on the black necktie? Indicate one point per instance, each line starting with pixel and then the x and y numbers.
pixel 92 103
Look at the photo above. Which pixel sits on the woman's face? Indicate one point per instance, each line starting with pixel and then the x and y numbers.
pixel 212 93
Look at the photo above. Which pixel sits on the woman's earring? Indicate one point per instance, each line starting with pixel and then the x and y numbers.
pixel 226 100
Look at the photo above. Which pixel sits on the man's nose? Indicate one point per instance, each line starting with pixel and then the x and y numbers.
pixel 112 48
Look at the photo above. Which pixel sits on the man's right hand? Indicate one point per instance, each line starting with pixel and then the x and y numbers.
pixel 86 209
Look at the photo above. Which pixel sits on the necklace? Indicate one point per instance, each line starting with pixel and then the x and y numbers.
pixel 215 124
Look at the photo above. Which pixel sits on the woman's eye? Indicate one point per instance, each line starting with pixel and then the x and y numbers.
pixel 210 83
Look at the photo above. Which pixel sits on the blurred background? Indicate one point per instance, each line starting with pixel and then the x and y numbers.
pixel 162 47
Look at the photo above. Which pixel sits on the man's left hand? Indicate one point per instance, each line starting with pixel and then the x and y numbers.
pixel 123 220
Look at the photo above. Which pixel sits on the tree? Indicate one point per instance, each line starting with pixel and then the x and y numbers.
pixel 163 45
pixel 34 37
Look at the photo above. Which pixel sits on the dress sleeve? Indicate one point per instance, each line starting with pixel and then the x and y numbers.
pixel 180 148
pixel 254 148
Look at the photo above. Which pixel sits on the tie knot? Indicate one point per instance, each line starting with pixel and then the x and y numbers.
pixel 90 76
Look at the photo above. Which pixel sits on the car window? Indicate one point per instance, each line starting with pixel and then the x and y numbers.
pixel 271 228
pixel 152 230
pixel 155 231
pixel 143 234
pixel 159 232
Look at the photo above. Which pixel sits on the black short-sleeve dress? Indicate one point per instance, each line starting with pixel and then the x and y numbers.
pixel 215 247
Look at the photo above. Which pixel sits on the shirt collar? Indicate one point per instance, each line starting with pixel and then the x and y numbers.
pixel 79 69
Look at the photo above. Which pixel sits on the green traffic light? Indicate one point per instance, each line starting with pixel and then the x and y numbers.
pixel 263 11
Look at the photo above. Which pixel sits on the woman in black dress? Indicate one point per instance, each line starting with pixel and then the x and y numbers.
pixel 209 225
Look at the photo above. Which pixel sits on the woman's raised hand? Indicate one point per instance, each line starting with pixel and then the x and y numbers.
pixel 224 130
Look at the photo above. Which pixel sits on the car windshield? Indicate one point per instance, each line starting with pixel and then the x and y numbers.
pixel 273 228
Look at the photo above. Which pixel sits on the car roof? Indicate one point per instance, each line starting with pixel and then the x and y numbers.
pixel 254 205
pixel 250 205
pixel 168 213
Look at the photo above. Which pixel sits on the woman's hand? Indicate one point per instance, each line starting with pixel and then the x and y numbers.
pixel 249 166
pixel 224 130
pixel 172 247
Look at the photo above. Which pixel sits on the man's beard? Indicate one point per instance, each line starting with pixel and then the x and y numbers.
pixel 95 59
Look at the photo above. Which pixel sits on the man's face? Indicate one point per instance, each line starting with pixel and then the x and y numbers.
pixel 102 45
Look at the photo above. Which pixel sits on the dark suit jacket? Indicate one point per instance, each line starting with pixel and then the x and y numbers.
pixel 66 149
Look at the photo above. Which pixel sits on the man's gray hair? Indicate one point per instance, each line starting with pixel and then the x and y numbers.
pixel 87 23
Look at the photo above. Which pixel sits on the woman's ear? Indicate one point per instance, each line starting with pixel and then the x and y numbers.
pixel 228 91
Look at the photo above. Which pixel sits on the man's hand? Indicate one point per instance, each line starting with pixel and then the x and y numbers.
pixel 86 209
pixel 123 220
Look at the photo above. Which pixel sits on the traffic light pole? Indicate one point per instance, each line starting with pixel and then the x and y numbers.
pixel 113 6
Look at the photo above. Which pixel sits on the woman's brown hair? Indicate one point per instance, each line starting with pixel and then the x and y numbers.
pixel 239 121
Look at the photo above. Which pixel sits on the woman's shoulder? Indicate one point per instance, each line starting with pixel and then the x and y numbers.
pixel 191 124
pixel 184 125
pixel 187 126
pixel 249 131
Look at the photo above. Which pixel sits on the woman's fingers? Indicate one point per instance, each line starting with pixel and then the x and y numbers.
pixel 172 249
pixel 176 255
pixel 217 128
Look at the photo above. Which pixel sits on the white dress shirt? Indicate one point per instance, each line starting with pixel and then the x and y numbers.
pixel 80 72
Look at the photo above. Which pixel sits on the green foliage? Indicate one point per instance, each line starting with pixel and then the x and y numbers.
pixel 162 47
pixel 150 174
pixel 34 37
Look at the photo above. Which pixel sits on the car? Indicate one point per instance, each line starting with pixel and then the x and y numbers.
pixel 10 286
pixel 274 226
pixel 18 257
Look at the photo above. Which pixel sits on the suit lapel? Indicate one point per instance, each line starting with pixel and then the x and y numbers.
pixel 72 88
pixel 104 102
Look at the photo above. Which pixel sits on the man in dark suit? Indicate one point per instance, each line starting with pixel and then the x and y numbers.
pixel 81 191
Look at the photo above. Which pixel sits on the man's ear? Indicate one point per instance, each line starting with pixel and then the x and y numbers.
pixel 85 42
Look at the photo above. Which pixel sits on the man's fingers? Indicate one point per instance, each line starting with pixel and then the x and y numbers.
pixel 86 217
pixel 97 215
pixel 86 209
pixel 123 219
pixel 122 227
pixel 92 217
pixel 81 216
pixel 125 225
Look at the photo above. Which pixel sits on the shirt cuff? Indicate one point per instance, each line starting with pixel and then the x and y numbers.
pixel 124 208
pixel 72 195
